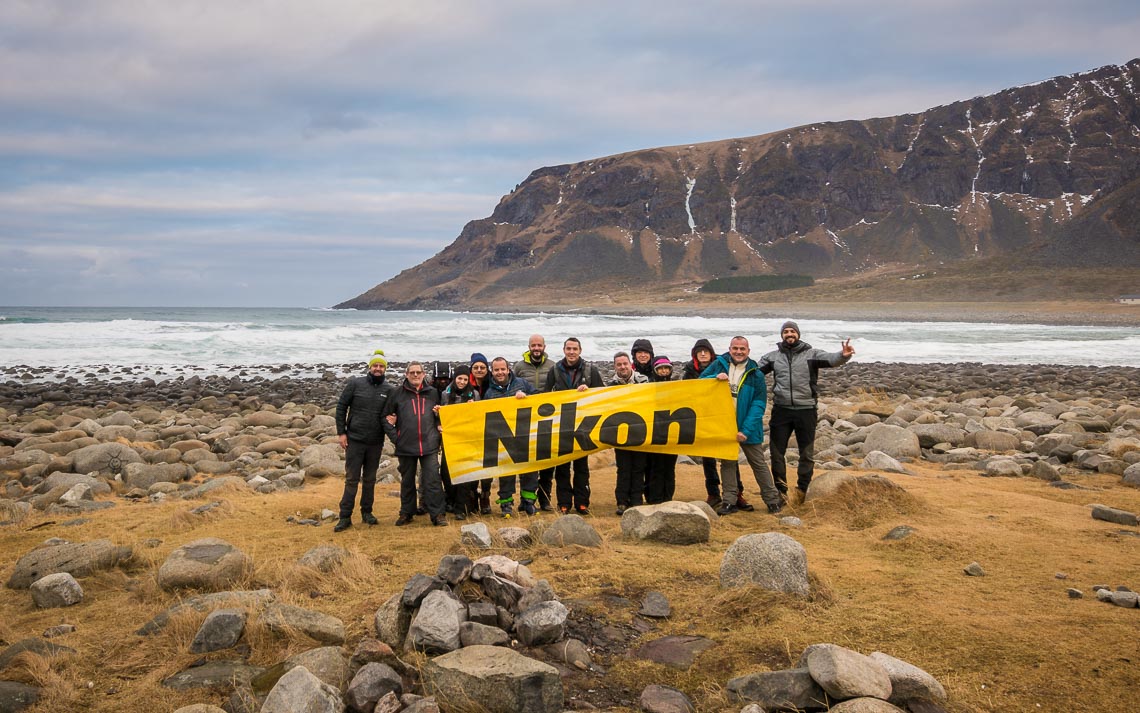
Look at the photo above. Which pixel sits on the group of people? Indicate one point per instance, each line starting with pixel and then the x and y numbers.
pixel 370 409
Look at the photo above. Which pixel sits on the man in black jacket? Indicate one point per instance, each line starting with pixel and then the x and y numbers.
pixel 361 435
pixel 411 421
pixel 571 373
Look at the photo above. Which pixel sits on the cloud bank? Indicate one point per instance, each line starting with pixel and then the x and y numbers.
pixel 293 154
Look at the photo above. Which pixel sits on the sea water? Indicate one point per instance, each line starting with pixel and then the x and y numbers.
pixel 216 338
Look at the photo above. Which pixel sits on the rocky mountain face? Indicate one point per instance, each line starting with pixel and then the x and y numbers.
pixel 1048 172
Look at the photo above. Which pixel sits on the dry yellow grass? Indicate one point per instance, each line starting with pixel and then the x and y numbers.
pixel 1009 641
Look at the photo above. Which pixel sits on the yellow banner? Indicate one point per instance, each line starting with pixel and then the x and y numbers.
pixel 509 436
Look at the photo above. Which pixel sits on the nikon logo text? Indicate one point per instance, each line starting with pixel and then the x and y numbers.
pixel 621 429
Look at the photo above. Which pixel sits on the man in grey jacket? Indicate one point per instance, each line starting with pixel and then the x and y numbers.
pixel 794 366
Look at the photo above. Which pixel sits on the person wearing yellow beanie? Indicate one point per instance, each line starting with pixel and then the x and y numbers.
pixel 361 435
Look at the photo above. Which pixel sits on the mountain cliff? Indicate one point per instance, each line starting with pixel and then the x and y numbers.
pixel 1048 173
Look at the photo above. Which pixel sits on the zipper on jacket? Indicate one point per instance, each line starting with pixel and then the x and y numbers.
pixel 791 388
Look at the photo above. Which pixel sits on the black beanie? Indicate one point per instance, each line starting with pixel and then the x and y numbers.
pixel 793 325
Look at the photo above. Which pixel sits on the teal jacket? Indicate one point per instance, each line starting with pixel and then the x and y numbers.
pixel 751 397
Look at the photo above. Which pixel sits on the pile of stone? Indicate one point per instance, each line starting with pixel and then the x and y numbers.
pixel 1047 436
pixel 831 677
pixel 68 464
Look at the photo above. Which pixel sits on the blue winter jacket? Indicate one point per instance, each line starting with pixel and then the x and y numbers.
pixel 513 386
pixel 751 397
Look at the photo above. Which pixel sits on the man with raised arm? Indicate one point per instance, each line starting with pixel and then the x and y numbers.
pixel 794 367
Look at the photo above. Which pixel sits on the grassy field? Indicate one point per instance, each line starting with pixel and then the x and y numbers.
pixel 1009 641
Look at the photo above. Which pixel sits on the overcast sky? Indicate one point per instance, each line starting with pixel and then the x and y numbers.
pixel 296 153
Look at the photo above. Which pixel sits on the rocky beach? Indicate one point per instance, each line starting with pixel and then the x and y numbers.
pixel 128 502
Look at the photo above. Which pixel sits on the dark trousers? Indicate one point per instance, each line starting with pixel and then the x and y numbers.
pixel 545 486
pixel 507 487
pixel 360 463
pixel 783 423
pixel 662 479
pixel 428 466
pixel 630 477
pixel 457 498
pixel 712 478
pixel 573 493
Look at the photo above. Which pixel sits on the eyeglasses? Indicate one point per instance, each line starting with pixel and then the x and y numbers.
pixel 413 373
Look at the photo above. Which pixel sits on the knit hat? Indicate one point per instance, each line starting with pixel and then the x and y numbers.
pixel 662 361
pixel 463 370
pixel 378 358
pixel 791 324
pixel 477 357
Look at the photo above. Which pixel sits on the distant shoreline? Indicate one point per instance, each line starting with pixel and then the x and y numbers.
pixel 1105 314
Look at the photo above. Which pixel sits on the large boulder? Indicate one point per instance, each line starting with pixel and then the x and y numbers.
pixel 771 560
pixel 13 511
pixel 78 559
pixel 371 683
pixel 997 441
pixel 56 590
pixel 828 483
pixel 571 530
pixel 793 689
pixel 221 630
pixel 496 679
pixel 327 454
pixel 674 523
pixel 267 418
pixel 324 558
pixel 328 663
pixel 844 673
pixel 543 623
pixel 215 675
pixel 106 458
pixel 909 682
pixel 55 480
pixel 15 697
pixel 877 460
pixel 283 619
pixel 895 441
pixel 931 434
pixel 144 475
pixel 435 628
pixel 209 563
pixel 392 621
pixel 506 568
pixel 299 690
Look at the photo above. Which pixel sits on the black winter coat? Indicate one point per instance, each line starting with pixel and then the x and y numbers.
pixel 360 407
pixel 416 432
pixel 563 378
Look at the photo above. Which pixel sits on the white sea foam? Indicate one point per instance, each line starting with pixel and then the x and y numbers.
pixel 217 338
